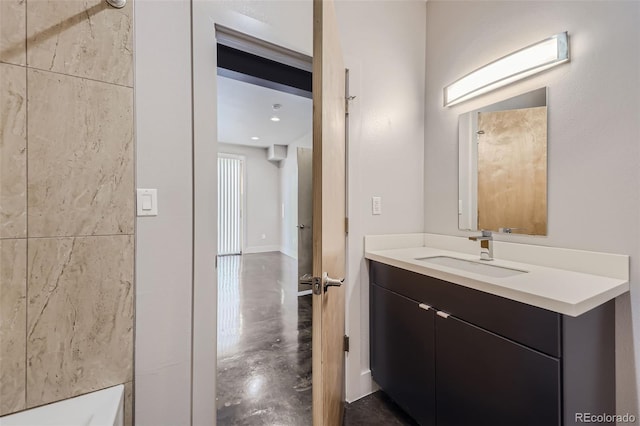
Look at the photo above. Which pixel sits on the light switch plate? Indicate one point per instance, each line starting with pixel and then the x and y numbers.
pixel 376 205
pixel 147 202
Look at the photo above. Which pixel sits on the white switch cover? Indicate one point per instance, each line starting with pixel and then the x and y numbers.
pixel 147 202
pixel 376 205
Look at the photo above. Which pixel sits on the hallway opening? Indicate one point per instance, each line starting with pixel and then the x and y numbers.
pixel 264 245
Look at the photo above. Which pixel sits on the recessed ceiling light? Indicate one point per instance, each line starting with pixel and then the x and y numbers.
pixel 255 138
pixel 275 107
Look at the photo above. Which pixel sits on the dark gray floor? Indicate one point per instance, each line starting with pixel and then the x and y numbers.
pixel 264 349
pixel 376 409
pixel 264 342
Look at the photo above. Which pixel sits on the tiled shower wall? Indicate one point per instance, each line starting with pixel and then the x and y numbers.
pixel 66 200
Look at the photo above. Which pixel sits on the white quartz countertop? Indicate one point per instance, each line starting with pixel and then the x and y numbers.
pixel 564 291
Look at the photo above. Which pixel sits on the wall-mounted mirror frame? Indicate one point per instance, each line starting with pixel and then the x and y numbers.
pixel 502 166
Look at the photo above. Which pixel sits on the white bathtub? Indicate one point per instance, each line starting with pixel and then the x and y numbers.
pixel 102 408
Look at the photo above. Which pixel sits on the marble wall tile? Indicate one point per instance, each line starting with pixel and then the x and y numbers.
pixel 80 157
pixel 82 38
pixel 128 404
pixel 80 316
pixel 13 31
pixel 13 150
pixel 13 306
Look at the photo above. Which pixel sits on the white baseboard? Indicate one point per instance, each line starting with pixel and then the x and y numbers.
pixel 367 386
pixel 260 249
pixel 290 253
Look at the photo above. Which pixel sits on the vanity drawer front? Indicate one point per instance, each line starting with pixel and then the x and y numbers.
pixel 406 283
pixel 529 325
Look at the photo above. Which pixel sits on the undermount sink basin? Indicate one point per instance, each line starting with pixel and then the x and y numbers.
pixel 484 268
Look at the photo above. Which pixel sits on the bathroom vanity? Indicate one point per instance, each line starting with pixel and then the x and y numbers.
pixel 462 347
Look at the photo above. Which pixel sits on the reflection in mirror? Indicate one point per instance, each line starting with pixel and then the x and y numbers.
pixel 503 166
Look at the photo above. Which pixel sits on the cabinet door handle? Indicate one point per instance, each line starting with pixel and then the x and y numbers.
pixel 423 306
pixel 442 314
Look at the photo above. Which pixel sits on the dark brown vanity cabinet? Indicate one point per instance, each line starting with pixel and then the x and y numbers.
pixel 402 353
pixel 455 356
pixel 485 379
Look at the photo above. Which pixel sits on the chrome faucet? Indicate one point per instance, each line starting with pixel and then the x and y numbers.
pixel 486 245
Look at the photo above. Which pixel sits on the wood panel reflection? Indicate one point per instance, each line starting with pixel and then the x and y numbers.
pixel 512 170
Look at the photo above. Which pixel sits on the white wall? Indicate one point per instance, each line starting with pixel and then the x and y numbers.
pixel 261 196
pixel 594 129
pixel 163 243
pixel 289 196
pixel 384 48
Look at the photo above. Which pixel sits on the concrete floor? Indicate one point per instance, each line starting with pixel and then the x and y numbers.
pixel 376 409
pixel 264 349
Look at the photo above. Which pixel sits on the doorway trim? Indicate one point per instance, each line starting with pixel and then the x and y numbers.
pixel 251 60
pixel 204 68
pixel 235 39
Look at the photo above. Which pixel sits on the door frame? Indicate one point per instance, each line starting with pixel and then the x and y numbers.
pixel 205 16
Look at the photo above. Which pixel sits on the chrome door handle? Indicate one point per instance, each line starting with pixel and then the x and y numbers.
pixel 331 282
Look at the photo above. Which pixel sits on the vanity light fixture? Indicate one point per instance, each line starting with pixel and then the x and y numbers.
pixel 255 138
pixel 508 69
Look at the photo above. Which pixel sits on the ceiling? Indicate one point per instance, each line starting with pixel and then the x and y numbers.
pixel 244 111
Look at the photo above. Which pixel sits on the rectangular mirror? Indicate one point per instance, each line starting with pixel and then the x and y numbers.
pixel 502 169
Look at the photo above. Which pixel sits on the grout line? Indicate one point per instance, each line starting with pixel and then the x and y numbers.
pixel 76 236
pixel 134 319
pixel 26 206
pixel 193 216
pixel 11 63
pixel 26 33
pixel 80 77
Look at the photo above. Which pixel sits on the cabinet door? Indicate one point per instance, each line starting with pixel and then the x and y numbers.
pixel 485 379
pixel 402 352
